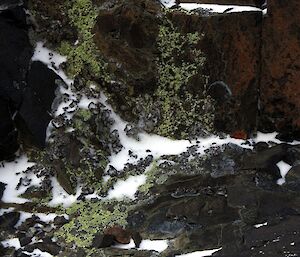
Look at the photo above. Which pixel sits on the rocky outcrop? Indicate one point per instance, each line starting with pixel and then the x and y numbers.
pixel 279 91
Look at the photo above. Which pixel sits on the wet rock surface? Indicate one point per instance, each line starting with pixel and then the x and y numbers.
pixel 178 74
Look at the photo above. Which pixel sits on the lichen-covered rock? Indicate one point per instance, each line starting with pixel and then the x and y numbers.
pixel 279 90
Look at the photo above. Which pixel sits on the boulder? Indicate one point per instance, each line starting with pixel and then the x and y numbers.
pixel 279 91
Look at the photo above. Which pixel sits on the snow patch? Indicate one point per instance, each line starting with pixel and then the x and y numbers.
pixel 261 225
pixel 38 253
pixel 13 242
pixel 219 8
pixel 61 197
pixel 284 169
pixel 200 253
pixel 127 188
pixel 12 173
pixel 150 245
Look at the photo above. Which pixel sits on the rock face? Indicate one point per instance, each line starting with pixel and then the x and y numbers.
pixel 26 90
pixel 231 45
pixel 279 91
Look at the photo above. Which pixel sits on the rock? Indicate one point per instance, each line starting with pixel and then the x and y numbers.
pixel 15 56
pixel 279 91
pixel 37 101
pixel 120 235
pixel 60 220
pixel 2 189
pixel 10 4
pixel 237 44
pixel 103 241
pixel 9 220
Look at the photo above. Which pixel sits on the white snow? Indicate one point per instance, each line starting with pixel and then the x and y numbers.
pixel 38 253
pixel 13 242
pixel 168 3
pixel 219 8
pixel 271 137
pixel 200 253
pixel 61 197
pixel 151 245
pixel 155 245
pixel 261 225
pixel 11 173
pixel 126 188
pixel 284 169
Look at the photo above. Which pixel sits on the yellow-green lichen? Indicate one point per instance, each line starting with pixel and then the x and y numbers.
pixel 89 218
pixel 83 57
pixel 179 61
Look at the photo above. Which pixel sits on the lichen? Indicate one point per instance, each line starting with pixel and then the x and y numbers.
pixel 83 57
pixel 91 217
pixel 179 61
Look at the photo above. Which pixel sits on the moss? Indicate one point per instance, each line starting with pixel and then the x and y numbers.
pixel 89 218
pixel 83 57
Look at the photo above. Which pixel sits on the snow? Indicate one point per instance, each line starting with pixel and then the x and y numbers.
pixel 150 245
pixel 261 225
pixel 219 8
pixel 168 3
pixel 215 8
pixel 271 137
pixel 199 253
pixel 284 169
pixel 38 253
pixel 13 242
pixel 60 196
pixel 11 173
pixel 127 188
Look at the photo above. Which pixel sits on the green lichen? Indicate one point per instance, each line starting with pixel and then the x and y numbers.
pixel 89 218
pixel 151 174
pixel 179 61
pixel 83 57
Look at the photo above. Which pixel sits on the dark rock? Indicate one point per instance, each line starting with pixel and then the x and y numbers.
pixel 60 220
pixel 15 56
pixel 37 101
pixel 10 4
pixel 24 239
pixel 2 189
pixel 219 91
pixel 9 220
pixel 103 241
pixel 279 90
pixel 49 247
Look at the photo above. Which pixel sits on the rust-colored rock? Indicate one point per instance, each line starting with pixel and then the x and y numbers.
pixel 280 83
pixel 232 46
pixel 120 235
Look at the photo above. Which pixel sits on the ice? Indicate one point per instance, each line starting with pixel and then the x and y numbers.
pixel 11 173
pixel 284 169
pixel 13 242
pixel 219 8
pixel 61 197
pixel 126 188
pixel 199 253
